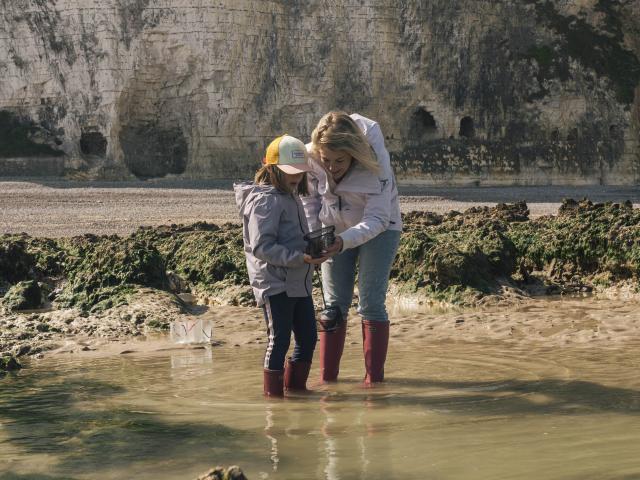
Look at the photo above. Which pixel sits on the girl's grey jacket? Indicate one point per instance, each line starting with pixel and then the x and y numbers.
pixel 273 229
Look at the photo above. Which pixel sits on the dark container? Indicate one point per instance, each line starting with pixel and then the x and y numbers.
pixel 319 240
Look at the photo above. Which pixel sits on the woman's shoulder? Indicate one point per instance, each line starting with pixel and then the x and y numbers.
pixel 367 125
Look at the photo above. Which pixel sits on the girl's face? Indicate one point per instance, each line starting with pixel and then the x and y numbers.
pixel 335 162
pixel 293 180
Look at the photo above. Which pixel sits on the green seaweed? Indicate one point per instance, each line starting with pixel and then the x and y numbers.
pixel 103 271
pixel 23 296
pixel 584 240
pixel 9 363
pixel 456 258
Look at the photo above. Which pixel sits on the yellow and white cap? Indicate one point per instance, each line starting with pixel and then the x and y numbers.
pixel 289 154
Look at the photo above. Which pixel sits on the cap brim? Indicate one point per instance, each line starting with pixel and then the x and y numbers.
pixel 297 168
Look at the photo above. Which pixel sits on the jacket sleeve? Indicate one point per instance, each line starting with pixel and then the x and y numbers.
pixel 312 203
pixel 375 219
pixel 262 229
pixel 377 211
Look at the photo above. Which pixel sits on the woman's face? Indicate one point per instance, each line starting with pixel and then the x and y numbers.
pixel 336 162
pixel 293 180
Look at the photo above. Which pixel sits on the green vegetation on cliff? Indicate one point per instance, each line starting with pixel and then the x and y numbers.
pixel 601 49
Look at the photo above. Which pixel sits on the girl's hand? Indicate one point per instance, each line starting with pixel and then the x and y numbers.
pixel 335 248
pixel 315 261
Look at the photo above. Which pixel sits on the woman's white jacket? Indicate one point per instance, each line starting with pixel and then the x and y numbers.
pixel 364 204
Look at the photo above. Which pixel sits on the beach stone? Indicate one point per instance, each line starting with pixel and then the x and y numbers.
pixel 9 363
pixel 220 473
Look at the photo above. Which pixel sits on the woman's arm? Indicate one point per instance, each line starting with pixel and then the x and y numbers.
pixel 375 219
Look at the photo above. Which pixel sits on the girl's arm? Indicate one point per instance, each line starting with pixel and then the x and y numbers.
pixel 262 228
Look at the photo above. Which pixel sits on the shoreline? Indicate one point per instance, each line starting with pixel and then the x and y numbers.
pixel 591 322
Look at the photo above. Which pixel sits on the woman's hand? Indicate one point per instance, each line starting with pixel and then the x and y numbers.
pixel 315 261
pixel 335 248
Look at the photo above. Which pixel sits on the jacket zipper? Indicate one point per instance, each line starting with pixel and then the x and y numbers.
pixel 302 230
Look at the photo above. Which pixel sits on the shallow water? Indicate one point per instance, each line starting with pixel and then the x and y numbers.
pixel 448 411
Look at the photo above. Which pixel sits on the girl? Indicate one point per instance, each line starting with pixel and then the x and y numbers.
pixel 280 272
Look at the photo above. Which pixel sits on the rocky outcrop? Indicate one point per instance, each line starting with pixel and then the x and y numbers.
pixel 456 258
pixel 220 473
pixel 467 91
pixel 23 296
pixel 9 363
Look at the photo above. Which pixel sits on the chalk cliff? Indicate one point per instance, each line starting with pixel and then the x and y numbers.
pixel 466 91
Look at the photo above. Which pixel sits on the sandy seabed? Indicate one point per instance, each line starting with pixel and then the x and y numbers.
pixel 59 209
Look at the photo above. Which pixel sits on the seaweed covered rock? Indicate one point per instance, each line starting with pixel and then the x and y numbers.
pixel 585 243
pixel 24 295
pixel 103 271
pixel 220 473
pixel 9 363
pixel 208 257
pixel 16 262
pixel 458 257
pixel 26 258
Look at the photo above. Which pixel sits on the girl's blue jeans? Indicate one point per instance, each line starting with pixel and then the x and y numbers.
pixel 373 261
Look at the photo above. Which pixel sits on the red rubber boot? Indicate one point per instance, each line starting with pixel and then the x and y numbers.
pixel 273 383
pixel 331 347
pixel 296 374
pixel 375 341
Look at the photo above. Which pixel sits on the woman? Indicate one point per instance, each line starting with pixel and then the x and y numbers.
pixel 353 188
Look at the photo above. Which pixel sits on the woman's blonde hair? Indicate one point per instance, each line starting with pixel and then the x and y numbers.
pixel 272 175
pixel 338 132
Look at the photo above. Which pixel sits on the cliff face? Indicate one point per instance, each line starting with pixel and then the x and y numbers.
pixel 466 91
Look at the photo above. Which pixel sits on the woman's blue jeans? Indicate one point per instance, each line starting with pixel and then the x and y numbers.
pixel 373 260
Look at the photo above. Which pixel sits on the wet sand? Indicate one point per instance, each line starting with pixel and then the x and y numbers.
pixel 600 323
pixel 55 208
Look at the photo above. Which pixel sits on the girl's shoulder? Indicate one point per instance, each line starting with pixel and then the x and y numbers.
pixel 250 196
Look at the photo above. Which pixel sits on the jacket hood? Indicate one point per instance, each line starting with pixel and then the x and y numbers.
pixel 247 191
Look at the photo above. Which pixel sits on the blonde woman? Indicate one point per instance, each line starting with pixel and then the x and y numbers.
pixel 352 187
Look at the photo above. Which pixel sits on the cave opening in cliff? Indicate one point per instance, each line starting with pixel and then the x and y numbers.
pixel 20 136
pixel 153 151
pixel 93 143
pixel 422 126
pixel 467 129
